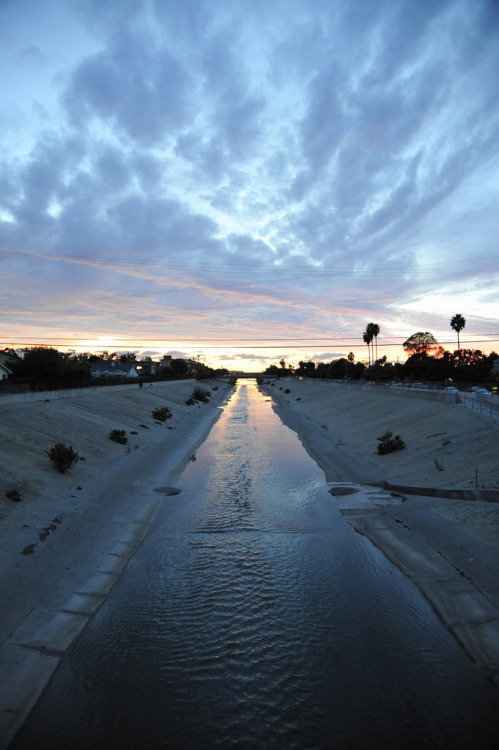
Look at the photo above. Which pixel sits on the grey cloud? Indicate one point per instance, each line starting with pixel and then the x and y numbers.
pixel 144 93
pixel 112 168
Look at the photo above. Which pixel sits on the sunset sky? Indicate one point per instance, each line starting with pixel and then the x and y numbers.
pixel 248 180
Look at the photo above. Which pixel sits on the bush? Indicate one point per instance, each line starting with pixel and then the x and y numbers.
pixel 199 394
pixel 388 442
pixel 162 414
pixel 63 457
pixel 118 436
pixel 14 496
pixel 190 402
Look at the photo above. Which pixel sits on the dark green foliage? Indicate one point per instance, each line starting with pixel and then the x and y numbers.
pixel 162 414
pixel 63 457
pixel 190 402
pixel 200 394
pixel 45 364
pixel 118 436
pixel 388 442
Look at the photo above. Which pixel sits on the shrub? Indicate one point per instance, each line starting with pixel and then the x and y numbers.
pixel 118 436
pixel 63 457
pixel 14 496
pixel 190 402
pixel 287 390
pixel 199 394
pixel 162 414
pixel 388 442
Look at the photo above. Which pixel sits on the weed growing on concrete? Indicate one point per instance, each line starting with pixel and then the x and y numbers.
pixel 118 436
pixel 62 457
pixel 388 442
pixel 162 414
pixel 14 496
pixel 200 394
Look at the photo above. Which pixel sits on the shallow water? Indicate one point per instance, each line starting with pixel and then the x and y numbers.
pixel 254 617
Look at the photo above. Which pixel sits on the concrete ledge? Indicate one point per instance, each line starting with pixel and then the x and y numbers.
pixel 33 396
pixel 491 496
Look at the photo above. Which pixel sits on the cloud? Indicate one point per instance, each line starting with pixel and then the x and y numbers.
pixel 217 167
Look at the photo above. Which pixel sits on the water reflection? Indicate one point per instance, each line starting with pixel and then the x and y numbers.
pixel 254 617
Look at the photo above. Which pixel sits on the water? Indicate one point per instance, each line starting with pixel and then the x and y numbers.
pixel 254 617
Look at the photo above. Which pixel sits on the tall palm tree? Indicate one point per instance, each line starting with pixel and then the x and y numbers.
pixel 374 329
pixel 367 338
pixel 457 322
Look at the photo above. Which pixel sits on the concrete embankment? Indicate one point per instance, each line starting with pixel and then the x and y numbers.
pixel 447 445
pixel 67 542
pixel 449 547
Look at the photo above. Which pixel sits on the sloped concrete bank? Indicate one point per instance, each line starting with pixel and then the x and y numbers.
pixel 448 547
pixel 61 555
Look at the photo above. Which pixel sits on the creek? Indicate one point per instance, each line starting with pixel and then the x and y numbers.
pixel 253 616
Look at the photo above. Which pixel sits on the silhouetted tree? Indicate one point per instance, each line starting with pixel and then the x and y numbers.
pixel 457 323
pixel 367 338
pixel 44 364
pixel 306 369
pixel 374 329
pixel 420 344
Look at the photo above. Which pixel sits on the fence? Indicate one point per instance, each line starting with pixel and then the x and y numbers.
pixel 489 407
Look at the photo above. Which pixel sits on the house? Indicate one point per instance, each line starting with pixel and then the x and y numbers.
pixel 4 371
pixel 166 362
pixel 147 367
pixel 110 368
pixel 9 357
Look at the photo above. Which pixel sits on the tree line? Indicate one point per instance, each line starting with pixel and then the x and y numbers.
pixel 42 364
pixel 426 360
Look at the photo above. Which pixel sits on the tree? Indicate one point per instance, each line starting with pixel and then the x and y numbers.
pixel 374 328
pixel 367 338
pixel 45 364
pixel 273 371
pixel 306 369
pixel 457 323
pixel 420 344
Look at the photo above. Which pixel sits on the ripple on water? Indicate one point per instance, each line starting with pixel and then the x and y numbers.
pixel 254 617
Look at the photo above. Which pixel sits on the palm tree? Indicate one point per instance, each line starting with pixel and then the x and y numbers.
pixel 367 338
pixel 457 322
pixel 374 331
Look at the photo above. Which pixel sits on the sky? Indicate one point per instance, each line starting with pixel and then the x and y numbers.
pixel 246 181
